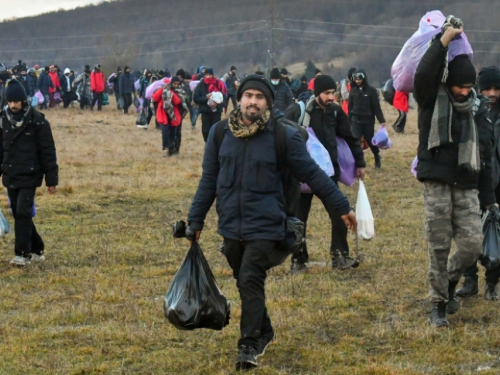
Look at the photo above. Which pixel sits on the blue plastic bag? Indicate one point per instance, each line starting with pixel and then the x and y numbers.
pixel 381 139
pixel 346 162
pixel 4 225
pixel 320 155
pixel 34 101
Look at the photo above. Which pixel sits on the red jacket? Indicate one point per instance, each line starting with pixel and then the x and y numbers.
pixel 97 81
pixel 55 81
pixel 311 84
pixel 161 115
pixel 400 101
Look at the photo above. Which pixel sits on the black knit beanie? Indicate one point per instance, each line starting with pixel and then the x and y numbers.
pixel 284 71
pixel 461 71
pixel 256 82
pixel 175 79
pixel 275 73
pixel 181 73
pixel 15 92
pixel 209 71
pixel 232 68
pixel 488 76
pixel 323 83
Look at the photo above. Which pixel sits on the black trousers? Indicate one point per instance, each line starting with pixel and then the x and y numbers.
pixel 27 239
pixel 169 135
pixel 117 97
pixel 400 121
pixel 233 100
pixel 96 97
pixel 207 120
pixel 250 262
pixel 67 98
pixel 366 130
pixel 127 102
pixel 338 244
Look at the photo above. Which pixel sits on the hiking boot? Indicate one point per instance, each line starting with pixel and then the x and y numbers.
pixel 378 163
pixel 37 258
pixel 297 267
pixel 438 315
pixel 491 292
pixel 247 358
pixel 469 288
pixel 343 263
pixel 453 305
pixel 20 261
pixel 264 341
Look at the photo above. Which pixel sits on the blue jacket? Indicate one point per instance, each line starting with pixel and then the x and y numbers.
pixel 44 82
pixel 31 83
pixel 244 178
pixel 126 83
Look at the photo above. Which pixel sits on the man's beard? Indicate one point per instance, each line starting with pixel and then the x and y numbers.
pixel 325 104
pixel 493 99
pixel 252 117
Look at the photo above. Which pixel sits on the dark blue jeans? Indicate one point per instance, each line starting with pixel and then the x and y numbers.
pixel 169 136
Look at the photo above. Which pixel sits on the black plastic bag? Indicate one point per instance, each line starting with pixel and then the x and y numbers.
pixel 193 299
pixel 388 92
pixel 294 235
pixel 137 103
pixel 141 119
pixel 490 258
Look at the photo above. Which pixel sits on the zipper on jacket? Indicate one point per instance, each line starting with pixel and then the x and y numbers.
pixel 241 186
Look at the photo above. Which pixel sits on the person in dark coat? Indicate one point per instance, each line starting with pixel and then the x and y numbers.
pixel 32 81
pixel 328 121
pixel 115 80
pixel 231 80
pixel 363 107
pixel 126 88
pixel 67 88
pixel 241 174
pixel 27 155
pixel 44 83
pixel 303 86
pixel 210 114
pixel 454 164
pixel 282 92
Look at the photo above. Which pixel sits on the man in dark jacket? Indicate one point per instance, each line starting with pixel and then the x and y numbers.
pixel 303 86
pixel 32 81
pixel 231 80
pixel 488 83
pixel 328 121
pixel 27 155
pixel 126 88
pixel 210 114
pixel 241 172
pixel 67 88
pixel 363 107
pixel 44 83
pixel 115 80
pixel 454 162
pixel 282 92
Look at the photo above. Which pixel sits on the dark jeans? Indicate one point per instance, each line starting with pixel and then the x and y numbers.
pixel 195 112
pixel 207 120
pixel 400 121
pixel 27 238
pixel 250 262
pixel 68 97
pixel 169 136
pixel 96 97
pixel 45 104
pixel 117 97
pixel 338 244
pixel 366 130
pixel 233 100
pixel 127 102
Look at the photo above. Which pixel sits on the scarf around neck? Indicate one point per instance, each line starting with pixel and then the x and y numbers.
pixel 241 130
pixel 441 123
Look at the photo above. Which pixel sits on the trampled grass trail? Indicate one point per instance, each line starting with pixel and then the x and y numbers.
pixel 96 305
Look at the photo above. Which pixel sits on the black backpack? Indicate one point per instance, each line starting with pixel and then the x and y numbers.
pixel 291 186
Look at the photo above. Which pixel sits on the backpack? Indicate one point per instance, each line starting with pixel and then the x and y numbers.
pixel 291 186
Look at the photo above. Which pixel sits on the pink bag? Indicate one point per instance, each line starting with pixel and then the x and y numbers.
pixel 346 162
pixel 151 89
pixel 404 67
pixel 41 98
pixel 381 139
pixel 57 97
pixel 414 166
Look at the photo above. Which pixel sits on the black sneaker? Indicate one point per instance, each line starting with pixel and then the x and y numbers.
pixel 247 358
pixel 438 315
pixel 264 341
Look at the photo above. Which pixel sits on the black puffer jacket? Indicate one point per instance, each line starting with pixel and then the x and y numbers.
pixel 441 163
pixel 28 153
pixel 200 97
pixel 364 104
pixel 283 97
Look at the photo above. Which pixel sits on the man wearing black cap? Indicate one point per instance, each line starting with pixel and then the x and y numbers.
pixel 231 80
pixel 362 108
pixel 241 171
pixel 282 92
pixel 454 164
pixel 27 154
pixel 328 121
pixel 488 83
pixel 210 110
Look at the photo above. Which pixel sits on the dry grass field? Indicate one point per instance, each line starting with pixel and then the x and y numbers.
pixel 96 305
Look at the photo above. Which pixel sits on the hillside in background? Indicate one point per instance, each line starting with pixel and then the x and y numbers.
pixel 334 34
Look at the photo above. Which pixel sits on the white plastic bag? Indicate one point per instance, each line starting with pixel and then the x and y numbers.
pixel 364 216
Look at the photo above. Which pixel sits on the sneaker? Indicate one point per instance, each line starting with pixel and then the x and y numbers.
pixel 20 261
pixel 35 258
pixel 344 263
pixel 247 358
pixel 265 340
pixel 468 289
pixel 165 153
pixel 438 315
pixel 491 292
pixel 142 126
pixel 297 267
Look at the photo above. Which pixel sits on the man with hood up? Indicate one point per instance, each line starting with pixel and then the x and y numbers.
pixel 363 107
pixel 454 165
pixel 67 88
pixel 126 88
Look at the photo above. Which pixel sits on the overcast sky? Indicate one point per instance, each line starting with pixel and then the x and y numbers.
pixel 25 8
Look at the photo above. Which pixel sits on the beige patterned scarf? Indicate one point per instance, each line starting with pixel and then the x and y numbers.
pixel 240 129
